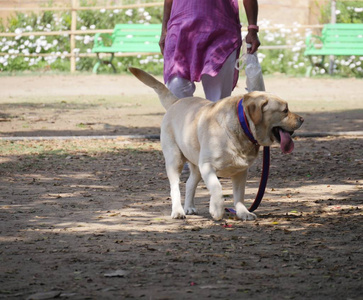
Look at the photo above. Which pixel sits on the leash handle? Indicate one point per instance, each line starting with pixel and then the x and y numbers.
pixel 264 178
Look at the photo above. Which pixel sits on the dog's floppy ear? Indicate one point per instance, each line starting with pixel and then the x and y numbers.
pixel 255 108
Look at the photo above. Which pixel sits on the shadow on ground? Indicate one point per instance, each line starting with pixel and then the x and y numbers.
pixel 90 220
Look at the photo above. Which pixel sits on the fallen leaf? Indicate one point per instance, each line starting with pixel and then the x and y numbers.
pixel 44 296
pixel 117 273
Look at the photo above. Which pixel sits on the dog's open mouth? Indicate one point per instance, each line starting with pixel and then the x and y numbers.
pixel 284 138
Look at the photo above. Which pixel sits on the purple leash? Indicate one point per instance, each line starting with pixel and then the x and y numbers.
pixel 266 157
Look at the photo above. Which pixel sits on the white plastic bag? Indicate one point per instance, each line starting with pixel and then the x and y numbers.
pixel 254 78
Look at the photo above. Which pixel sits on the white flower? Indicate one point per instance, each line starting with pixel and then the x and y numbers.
pixel 87 39
pixel 83 28
pixel 38 49
pixel 55 42
pixel 128 12
pixel 322 71
pixel 260 57
pixel 352 66
pixel 337 12
pixel 18 31
pixel 116 11
pixel 92 27
pixel 358 9
pixel 102 10
pixel 269 37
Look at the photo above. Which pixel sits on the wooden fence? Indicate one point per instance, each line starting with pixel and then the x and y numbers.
pixel 73 32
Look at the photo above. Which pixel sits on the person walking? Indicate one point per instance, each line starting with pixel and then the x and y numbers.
pixel 201 41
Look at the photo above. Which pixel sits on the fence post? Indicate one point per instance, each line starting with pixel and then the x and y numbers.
pixel 333 20
pixel 73 37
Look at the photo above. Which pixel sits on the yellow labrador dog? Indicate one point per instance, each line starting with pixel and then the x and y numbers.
pixel 209 136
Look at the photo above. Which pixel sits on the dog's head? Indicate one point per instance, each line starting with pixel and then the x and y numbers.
pixel 272 119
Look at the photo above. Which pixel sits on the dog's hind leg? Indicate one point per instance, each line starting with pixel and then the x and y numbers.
pixel 174 162
pixel 210 178
pixel 192 183
pixel 239 185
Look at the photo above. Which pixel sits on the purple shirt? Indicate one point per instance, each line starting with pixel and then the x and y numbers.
pixel 201 34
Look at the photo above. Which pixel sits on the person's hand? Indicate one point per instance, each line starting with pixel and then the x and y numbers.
pixel 162 42
pixel 252 38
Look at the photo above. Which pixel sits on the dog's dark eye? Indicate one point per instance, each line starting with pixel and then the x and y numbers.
pixel 286 110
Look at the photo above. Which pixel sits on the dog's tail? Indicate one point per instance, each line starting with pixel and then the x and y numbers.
pixel 166 97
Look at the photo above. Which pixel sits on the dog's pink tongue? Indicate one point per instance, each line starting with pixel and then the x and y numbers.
pixel 286 144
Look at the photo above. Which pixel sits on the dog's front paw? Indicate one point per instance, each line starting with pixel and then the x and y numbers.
pixel 247 216
pixel 216 212
pixel 190 211
pixel 243 213
pixel 178 213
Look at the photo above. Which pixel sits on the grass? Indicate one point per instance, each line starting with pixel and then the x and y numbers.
pixel 71 147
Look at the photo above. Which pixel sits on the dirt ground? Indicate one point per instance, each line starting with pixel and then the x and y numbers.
pixel 90 219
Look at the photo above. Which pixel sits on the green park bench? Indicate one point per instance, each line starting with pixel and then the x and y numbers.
pixel 336 39
pixel 127 39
